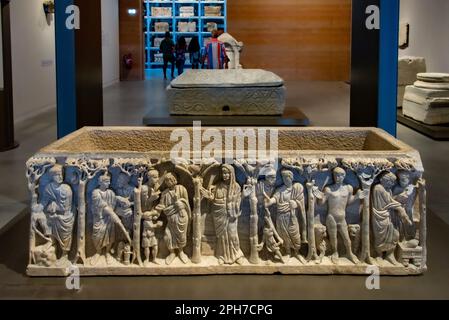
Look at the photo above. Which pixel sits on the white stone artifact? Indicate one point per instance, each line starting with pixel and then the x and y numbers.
pixel 161 27
pixel 186 11
pixel 111 202
pixel 212 11
pixel 157 42
pixel 428 99
pixel 233 50
pixel 210 26
pixel 227 92
pixel 409 67
pixel 187 26
pixel 161 11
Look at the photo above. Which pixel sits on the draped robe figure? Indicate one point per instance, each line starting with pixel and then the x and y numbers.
pixel 225 210
pixel 287 223
pixel 386 236
pixel 174 203
pixel 177 209
pixel 57 200
pixel 103 234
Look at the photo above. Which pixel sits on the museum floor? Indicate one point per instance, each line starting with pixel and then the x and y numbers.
pixel 126 104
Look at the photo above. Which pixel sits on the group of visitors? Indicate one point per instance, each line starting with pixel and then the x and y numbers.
pixel 213 57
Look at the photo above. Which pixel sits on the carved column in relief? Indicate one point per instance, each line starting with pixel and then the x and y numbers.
pixel 36 168
pixel 367 171
pixel 422 192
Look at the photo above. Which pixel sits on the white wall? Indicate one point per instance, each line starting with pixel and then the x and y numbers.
pixel 429 30
pixel 33 59
pixel 110 45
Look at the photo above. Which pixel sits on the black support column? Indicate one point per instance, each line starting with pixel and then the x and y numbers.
pixel 6 94
pixel 88 64
pixel 79 66
pixel 364 67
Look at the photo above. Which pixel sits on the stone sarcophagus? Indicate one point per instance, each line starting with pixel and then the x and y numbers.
pixel 132 201
pixel 227 92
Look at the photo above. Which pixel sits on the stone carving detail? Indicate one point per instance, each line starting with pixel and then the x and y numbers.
pixel 225 197
pixel 233 50
pixel 227 92
pixel 141 216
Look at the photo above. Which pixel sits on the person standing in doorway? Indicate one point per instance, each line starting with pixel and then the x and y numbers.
pixel 215 53
pixel 194 51
pixel 167 49
pixel 180 52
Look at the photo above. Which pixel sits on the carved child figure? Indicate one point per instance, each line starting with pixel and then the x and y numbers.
pixel 39 222
pixel 150 191
pixel 269 240
pixel 149 240
pixel 406 194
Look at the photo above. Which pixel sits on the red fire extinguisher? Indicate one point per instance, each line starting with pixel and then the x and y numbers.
pixel 128 61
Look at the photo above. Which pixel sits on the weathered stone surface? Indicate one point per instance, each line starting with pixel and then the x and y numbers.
pixel 433 112
pixel 227 92
pixel 409 67
pixel 227 101
pixel 227 79
pixel 429 106
pixel 432 85
pixel 233 49
pixel 110 201
pixel 433 77
pixel 401 92
pixel 420 95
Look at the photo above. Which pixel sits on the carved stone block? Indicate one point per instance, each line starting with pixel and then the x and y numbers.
pixel 409 67
pixel 118 201
pixel 187 26
pixel 430 106
pixel 212 11
pixel 161 27
pixel 161 11
pixel 227 92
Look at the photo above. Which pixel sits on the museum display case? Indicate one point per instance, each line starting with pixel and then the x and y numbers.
pixel 180 18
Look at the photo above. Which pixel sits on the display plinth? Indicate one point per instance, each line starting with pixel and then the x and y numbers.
pixel 436 132
pixel 292 117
